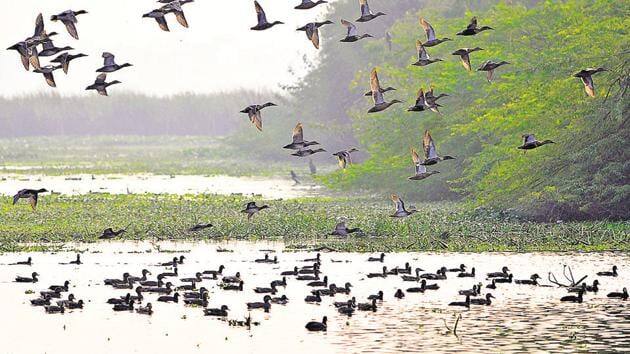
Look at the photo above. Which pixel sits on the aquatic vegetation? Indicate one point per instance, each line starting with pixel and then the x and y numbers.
pixel 302 223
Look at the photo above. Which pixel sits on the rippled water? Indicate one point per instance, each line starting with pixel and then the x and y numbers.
pixel 522 319
pixel 272 187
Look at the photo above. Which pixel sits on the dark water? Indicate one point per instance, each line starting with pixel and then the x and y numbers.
pixel 521 319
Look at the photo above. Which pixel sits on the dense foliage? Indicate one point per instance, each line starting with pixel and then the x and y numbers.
pixel 584 175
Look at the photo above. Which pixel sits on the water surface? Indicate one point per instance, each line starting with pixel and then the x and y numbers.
pixel 522 319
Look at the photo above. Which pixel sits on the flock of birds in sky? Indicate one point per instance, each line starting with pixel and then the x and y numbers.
pixel 318 287
pixel 30 54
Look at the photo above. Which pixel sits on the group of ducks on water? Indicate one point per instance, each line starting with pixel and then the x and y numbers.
pixel 318 284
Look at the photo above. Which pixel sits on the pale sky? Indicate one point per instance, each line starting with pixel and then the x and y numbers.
pixel 218 52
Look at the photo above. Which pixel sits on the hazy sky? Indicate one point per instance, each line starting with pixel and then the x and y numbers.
pixel 217 53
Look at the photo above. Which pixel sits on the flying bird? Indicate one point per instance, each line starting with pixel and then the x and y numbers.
pixel 312 31
pixel 420 170
pixel 176 8
pixel 262 19
pixel 298 139
pixel 65 58
pixel 30 194
pixel 377 96
pixel 100 85
pixel 472 28
pixel 307 152
pixel 400 212
pixel 366 14
pixel 47 71
pixel 109 65
pixel 342 230
pixel 423 57
pixel 251 208
pixel 352 35
pixel 344 158
pixel 159 17
pixel 489 66
pixel 48 49
pixel 69 19
pixel 430 153
pixel 432 40
pixel 530 142
pixel 464 55
pixel 586 77
pixel 309 4
pixel 253 111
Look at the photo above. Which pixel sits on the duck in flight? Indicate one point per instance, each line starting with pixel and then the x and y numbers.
pixel 159 17
pixel 423 57
pixel 253 112
pixel 109 65
pixel 432 40
pixel 430 152
pixel 352 35
pixel 47 71
pixel 342 230
pixel 312 31
pixel 420 170
pixel 109 233
pixel 251 208
pixel 366 13
pixel 49 49
pixel 298 139
pixel 377 96
pixel 489 66
pixel 472 28
pixel 176 8
pixel 65 58
pixel 69 18
pixel 344 158
pixel 30 194
pixel 100 85
pixel 587 79
pixel 263 24
pixel 307 152
pixel 309 4
pixel 464 55
pixel 28 55
pixel 400 212
pixel 530 142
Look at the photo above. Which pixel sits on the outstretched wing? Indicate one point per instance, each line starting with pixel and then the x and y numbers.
pixel 72 29
pixel 588 85
pixel 365 8
pixel 100 78
pixel 465 61
pixel 262 18
pixel 420 101
pixel 257 119
pixel 39 25
pixel 428 145
pixel 108 59
pixel 352 29
pixel 428 29
pixel 32 200
pixel 161 20
pixel 422 53
pixel 298 133
pixel 375 86
pixel 400 205
pixel 179 15
pixel 473 23
pixel 528 138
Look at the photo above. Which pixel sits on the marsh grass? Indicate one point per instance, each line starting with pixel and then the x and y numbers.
pixel 300 223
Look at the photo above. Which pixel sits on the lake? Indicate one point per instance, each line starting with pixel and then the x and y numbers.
pixel 521 319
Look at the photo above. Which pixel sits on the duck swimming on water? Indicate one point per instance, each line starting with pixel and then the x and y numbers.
pixel 146 310
pixel 608 273
pixel 32 279
pixel 263 24
pixel 219 312
pixel 465 303
pixel 27 262
pixel 314 326
pixel 619 295
pixel 504 273
pixel 533 280
pixel 485 301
